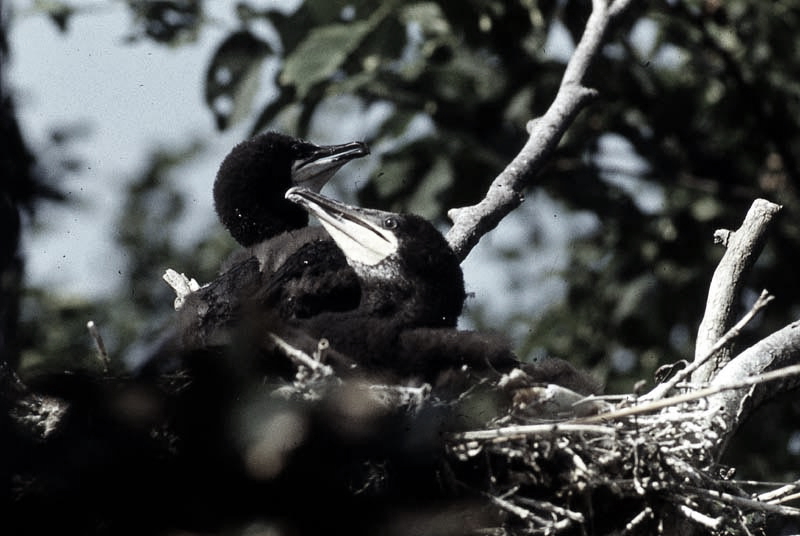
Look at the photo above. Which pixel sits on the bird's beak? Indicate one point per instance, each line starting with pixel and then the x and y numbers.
pixel 359 233
pixel 314 170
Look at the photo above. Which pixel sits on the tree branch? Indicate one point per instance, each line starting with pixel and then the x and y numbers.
pixel 780 350
pixel 506 191
pixel 743 248
pixel 662 389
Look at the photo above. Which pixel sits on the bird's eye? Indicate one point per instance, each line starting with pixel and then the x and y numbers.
pixel 390 223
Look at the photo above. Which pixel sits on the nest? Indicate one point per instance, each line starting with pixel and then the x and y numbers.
pixel 556 462
pixel 641 474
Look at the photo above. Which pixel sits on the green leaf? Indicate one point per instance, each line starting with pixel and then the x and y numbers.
pixel 321 54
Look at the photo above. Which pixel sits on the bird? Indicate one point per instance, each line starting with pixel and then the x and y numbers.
pixel 405 267
pixel 412 293
pixel 249 199
pixel 251 182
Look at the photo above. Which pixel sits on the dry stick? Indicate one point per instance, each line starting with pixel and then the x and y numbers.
pixel 662 389
pixel 742 501
pixel 506 191
pixel 547 506
pixel 530 429
pixel 743 247
pixel 712 523
pixel 300 357
pixel 788 498
pixel 784 372
pixel 777 493
pixel 99 344
pixel 638 518
pixel 518 511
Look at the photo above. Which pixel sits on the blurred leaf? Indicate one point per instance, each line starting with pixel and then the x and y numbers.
pixel 232 78
pixel 270 112
pixel 59 12
pixel 426 200
pixel 168 21
pixel 321 54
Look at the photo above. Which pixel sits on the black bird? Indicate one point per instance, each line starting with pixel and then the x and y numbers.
pixel 249 197
pixel 406 269
pixel 252 180
pixel 412 292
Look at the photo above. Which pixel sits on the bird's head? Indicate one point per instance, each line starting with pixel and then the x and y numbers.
pixel 252 180
pixel 400 257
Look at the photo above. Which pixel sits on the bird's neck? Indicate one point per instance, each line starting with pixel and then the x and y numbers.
pixel 403 301
pixel 254 226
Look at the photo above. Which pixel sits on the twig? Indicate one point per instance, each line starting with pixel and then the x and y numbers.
pixel 181 284
pixel 712 523
pixel 547 506
pixel 748 503
pixel 638 518
pixel 788 498
pixel 300 357
pixel 506 191
pixel 518 511
pixel 785 372
pixel 99 344
pixel 530 429
pixel 776 493
pixel 762 483
pixel 743 247
pixel 661 390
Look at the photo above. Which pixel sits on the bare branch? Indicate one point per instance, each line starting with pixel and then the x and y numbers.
pixel 748 503
pixel 712 523
pixel 779 493
pixel 661 390
pixel 790 372
pixel 780 349
pixel 102 353
pixel 744 246
pixel 300 357
pixel 506 191
pixel 181 284
pixel 530 429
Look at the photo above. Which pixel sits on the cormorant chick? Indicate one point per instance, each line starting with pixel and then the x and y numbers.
pixel 412 292
pixel 252 180
pixel 249 197
pixel 405 267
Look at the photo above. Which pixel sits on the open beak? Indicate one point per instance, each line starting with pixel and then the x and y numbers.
pixel 360 233
pixel 314 170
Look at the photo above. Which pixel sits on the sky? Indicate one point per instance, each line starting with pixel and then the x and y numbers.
pixel 136 97
pixel 132 97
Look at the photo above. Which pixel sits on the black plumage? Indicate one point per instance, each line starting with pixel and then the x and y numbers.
pixel 406 269
pixel 253 178
pixel 412 292
pixel 249 198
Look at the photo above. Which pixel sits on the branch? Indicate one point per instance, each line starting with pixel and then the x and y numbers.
pixel 300 357
pixel 102 353
pixel 744 246
pixel 780 350
pixel 662 389
pixel 506 191
pixel 181 284
pixel 790 375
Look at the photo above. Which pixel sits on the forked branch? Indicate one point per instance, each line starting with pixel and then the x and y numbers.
pixel 506 191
